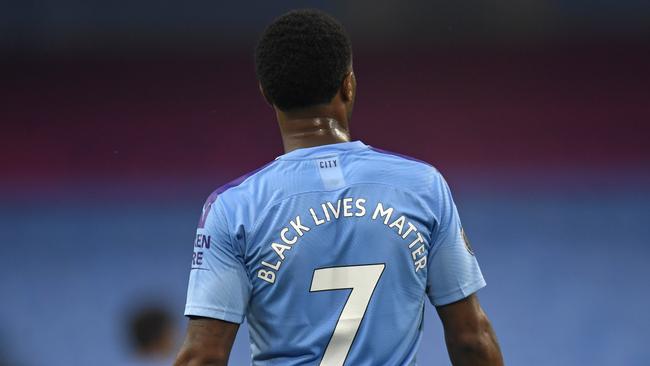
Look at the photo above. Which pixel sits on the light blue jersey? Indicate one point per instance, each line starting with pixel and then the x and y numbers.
pixel 329 252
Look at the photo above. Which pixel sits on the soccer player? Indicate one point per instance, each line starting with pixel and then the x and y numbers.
pixel 330 250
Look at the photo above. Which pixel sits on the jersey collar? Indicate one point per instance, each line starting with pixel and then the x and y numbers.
pixel 330 149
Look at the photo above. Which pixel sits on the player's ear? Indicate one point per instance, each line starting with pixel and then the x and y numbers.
pixel 266 97
pixel 348 87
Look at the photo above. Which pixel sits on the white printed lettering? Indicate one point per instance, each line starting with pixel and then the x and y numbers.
pixel 418 252
pixel 362 210
pixel 327 214
pixel 381 212
pixel 317 221
pixel 399 224
pixel 409 230
pixel 347 206
pixel 343 208
pixel 279 249
pixel 420 264
pixel 274 267
pixel 420 239
pixel 336 212
pixel 298 226
pixel 268 276
pixel 283 236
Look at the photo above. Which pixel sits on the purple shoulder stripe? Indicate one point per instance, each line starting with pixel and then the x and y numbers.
pixel 213 197
pixel 400 155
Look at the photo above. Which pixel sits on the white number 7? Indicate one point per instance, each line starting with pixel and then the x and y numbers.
pixel 362 280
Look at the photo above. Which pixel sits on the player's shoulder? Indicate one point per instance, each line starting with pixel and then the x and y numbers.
pixel 414 167
pixel 239 189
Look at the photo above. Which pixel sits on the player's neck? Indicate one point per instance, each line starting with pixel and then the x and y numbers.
pixel 301 130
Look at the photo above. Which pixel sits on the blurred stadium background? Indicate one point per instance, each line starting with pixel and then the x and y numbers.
pixel 118 118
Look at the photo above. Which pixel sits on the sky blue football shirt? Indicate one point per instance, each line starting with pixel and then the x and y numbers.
pixel 329 252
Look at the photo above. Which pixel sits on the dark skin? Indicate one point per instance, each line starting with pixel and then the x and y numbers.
pixel 470 339
pixel 208 342
pixel 321 124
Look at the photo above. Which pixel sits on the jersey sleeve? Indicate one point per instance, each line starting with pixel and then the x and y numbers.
pixel 453 271
pixel 219 287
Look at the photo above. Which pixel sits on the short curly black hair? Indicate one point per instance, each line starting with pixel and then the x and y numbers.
pixel 302 58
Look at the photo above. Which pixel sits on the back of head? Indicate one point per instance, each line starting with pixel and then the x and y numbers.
pixel 302 58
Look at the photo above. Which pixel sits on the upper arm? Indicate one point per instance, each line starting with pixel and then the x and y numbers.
pixel 219 286
pixel 217 293
pixel 453 272
pixel 462 317
pixel 453 278
pixel 469 335
pixel 208 342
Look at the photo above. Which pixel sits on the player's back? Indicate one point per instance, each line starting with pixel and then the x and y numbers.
pixel 329 253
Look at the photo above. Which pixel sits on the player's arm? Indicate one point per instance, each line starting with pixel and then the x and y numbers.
pixel 469 335
pixel 208 342
pixel 217 293
pixel 454 277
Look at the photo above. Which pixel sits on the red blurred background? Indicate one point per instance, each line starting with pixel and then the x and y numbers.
pixel 192 115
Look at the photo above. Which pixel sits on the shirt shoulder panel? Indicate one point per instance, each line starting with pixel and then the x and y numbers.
pixel 418 174
pixel 227 189
pixel 398 155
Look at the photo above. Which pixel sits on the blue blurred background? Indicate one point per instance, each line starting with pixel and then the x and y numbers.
pixel 119 118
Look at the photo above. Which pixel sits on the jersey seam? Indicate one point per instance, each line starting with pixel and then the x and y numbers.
pixel 434 248
pixel 400 156
pixel 216 309
pixel 255 173
pixel 225 217
pixel 241 257
pixel 460 289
